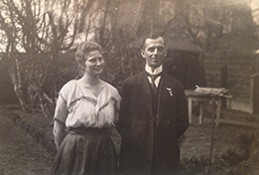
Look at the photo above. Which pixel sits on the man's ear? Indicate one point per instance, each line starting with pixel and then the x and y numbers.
pixel 165 53
pixel 142 53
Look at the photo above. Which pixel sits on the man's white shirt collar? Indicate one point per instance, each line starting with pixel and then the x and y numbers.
pixel 156 71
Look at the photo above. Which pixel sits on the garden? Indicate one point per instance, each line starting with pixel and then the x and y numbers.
pixel 234 150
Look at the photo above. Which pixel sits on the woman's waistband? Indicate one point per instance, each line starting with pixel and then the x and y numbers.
pixel 87 131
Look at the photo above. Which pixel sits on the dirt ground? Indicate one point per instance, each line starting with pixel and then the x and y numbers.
pixel 233 144
pixel 21 154
pixel 197 139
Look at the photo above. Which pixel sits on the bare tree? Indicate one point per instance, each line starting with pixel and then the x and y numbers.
pixel 33 28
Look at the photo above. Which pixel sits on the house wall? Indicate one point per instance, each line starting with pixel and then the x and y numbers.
pixel 238 79
pixel 234 53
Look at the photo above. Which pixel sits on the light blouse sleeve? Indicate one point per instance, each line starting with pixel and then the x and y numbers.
pixel 117 102
pixel 61 110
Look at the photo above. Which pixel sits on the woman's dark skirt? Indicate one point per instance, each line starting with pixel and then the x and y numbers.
pixel 86 152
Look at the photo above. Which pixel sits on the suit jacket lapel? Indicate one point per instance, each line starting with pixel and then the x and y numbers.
pixel 163 95
pixel 146 88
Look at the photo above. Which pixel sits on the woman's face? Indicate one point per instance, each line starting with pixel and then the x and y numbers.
pixel 94 63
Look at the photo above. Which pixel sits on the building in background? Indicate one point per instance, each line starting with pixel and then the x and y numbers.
pixel 211 42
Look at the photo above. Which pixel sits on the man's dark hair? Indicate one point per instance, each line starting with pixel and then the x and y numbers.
pixel 152 35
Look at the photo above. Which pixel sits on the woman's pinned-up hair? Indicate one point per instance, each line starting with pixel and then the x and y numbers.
pixel 84 49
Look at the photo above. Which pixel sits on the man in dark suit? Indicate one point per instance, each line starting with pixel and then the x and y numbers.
pixel 153 116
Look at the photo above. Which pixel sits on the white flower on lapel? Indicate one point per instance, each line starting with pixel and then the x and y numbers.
pixel 170 91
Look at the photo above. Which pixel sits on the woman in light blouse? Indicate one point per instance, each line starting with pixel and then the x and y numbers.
pixel 86 110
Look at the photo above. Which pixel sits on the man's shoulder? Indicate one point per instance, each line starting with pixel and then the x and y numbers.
pixel 133 81
pixel 135 77
pixel 172 80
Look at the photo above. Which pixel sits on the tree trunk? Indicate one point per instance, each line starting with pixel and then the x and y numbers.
pixel 15 74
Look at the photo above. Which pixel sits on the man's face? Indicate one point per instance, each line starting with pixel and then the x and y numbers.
pixel 154 51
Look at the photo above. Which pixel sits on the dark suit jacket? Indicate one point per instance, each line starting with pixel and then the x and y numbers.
pixel 147 148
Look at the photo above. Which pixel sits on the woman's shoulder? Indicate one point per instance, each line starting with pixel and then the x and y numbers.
pixel 111 89
pixel 68 87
